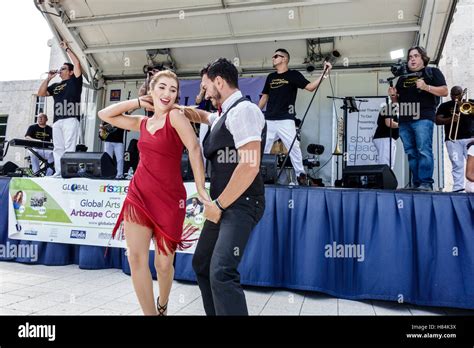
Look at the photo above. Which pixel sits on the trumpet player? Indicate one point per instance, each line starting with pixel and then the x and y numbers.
pixel 457 136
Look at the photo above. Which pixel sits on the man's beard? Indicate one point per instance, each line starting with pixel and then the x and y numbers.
pixel 217 96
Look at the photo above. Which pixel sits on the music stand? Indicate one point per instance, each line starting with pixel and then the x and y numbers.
pixel 349 105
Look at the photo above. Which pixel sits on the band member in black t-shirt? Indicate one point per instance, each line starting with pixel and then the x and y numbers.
pixel 67 104
pixel 385 138
pixel 418 98
pixel 113 144
pixel 279 95
pixel 40 131
pixel 457 149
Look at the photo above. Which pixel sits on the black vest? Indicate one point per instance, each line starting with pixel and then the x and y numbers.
pixel 219 149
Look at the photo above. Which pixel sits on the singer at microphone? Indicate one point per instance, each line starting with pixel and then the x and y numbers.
pixel 279 96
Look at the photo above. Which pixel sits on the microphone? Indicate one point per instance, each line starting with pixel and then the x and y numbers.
pixel 332 57
pixel 315 149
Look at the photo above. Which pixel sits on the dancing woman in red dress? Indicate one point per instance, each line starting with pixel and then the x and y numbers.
pixel 155 205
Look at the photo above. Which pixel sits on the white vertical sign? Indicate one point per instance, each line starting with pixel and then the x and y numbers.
pixel 360 129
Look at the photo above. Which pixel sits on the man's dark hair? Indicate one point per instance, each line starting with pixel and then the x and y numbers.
pixel 422 52
pixel 70 66
pixel 283 51
pixel 224 68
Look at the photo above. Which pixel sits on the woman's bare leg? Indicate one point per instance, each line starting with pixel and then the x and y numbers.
pixel 138 242
pixel 165 273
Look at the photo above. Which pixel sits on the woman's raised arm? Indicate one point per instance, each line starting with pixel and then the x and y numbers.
pixel 115 114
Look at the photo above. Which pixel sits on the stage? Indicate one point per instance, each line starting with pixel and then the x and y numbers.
pixel 404 246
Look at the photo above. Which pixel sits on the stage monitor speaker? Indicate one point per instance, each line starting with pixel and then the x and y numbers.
pixel 378 176
pixel 87 164
pixel 8 168
pixel 269 168
pixel 186 170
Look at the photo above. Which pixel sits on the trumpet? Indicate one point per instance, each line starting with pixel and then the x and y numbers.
pixel 340 136
pixel 464 107
pixel 467 108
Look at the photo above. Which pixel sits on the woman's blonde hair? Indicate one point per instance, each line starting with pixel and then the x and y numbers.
pixel 189 112
pixel 164 73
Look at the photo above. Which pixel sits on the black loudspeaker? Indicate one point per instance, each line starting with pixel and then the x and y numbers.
pixel 378 176
pixel 269 168
pixel 81 148
pixel 8 168
pixel 87 164
pixel 186 170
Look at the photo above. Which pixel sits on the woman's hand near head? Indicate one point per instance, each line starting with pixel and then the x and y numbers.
pixel 146 101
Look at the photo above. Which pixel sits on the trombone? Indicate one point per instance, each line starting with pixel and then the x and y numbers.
pixel 466 108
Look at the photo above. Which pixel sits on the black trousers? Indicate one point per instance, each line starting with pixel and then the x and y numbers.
pixel 218 253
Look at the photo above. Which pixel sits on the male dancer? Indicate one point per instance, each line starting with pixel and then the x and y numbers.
pixel 237 189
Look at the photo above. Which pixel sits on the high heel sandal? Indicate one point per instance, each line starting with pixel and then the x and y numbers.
pixel 161 309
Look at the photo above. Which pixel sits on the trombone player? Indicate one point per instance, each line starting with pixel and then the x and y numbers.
pixel 458 129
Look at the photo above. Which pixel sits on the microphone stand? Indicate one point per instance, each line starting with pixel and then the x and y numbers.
pixel 392 117
pixel 301 125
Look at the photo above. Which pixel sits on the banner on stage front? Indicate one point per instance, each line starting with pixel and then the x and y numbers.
pixel 79 211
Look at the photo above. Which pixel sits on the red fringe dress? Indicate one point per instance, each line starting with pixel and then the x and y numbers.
pixel 156 197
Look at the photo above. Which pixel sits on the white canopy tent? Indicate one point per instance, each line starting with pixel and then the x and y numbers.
pixel 114 39
pixel 113 36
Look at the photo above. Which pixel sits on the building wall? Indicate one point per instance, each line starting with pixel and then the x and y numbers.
pixel 457 63
pixel 18 102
